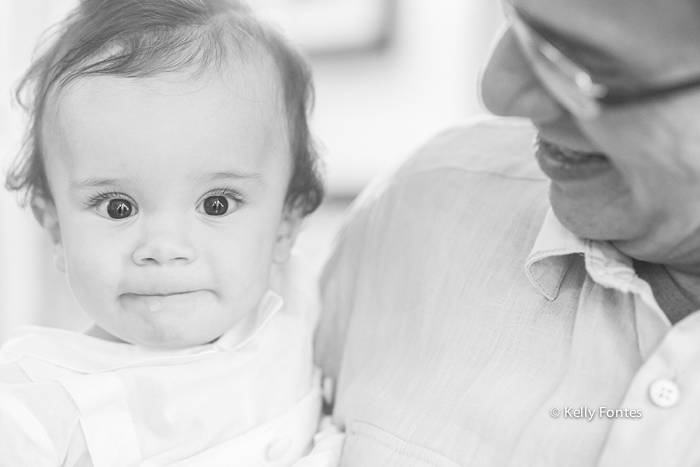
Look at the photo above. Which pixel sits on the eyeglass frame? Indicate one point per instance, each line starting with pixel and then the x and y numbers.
pixel 574 87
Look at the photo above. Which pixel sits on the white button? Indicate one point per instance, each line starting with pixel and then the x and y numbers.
pixel 328 389
pixel 664 393
pixel 278 448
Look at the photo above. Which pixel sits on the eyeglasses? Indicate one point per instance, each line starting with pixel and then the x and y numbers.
pixel 569 82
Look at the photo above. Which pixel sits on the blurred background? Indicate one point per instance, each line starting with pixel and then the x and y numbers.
pixel 389 74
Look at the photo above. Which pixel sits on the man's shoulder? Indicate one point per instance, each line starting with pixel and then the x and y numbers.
pixel 457 220
pixel 488 162
pixel 477 182
pixel 491 146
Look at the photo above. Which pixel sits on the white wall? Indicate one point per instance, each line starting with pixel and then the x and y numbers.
pixel 24 265
pixel 373 110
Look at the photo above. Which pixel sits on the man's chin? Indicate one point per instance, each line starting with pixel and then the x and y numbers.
pixel 593 221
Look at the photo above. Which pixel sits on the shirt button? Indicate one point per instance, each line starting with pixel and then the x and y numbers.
pixel 664 393
pixel 278 448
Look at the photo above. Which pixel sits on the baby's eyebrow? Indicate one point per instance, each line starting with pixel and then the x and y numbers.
pixel 226 175
pixel 93 182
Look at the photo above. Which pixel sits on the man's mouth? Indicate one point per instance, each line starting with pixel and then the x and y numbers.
pixel 563 164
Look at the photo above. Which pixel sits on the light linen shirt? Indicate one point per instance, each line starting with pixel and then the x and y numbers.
pixel 250 398
pixel 464 326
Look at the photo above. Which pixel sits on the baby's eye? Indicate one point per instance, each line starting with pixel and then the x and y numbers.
pixel 220 203
pixel 216 205
pixel 119 209
pixel 112 205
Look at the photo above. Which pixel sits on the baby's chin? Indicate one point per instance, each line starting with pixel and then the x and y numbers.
pixel 168 341
pixel 99 333
pixel 158 340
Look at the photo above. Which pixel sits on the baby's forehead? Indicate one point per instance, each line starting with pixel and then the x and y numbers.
pixel 191 96
pixel 254 80
pixel 240 111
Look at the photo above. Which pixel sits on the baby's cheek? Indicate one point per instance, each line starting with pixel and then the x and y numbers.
pixel 241 275
pixel 91 274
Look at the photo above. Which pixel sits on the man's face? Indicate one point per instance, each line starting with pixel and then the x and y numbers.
pixel 644 194
pixel 169 197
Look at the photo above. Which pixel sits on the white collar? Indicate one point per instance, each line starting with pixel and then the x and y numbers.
pixel 606 265
pixel 87 354
pixel 549 260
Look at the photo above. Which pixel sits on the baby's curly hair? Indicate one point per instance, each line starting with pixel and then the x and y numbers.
pixel 142 38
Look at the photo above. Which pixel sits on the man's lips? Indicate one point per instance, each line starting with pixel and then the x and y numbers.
pixel 563 164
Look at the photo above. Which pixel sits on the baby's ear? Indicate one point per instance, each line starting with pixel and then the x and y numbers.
pixel 45 213
pixel 287 233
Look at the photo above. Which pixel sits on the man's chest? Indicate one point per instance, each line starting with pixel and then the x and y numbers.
pixel 485 375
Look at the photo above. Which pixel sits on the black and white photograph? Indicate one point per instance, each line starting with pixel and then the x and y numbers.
pixel 350 233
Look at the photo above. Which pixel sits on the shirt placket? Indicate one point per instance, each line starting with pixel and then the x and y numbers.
pixel 665 390
pixel 655 436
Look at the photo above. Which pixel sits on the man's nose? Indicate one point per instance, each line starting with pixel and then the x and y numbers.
pixel 164 243
pixel 510 88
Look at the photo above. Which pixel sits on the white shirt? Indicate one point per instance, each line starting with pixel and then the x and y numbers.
pixel 465 326
pixel 665 391
pixel 250 398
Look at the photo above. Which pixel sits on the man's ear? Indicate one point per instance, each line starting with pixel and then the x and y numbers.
pixel 45 213
pixel 287 233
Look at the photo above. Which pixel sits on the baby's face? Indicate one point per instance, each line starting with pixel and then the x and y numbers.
pixel 169 197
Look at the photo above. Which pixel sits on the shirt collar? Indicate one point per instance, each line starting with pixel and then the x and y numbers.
pixel 606 265
pixel 241 335
pixel 550 257
pixel 85 354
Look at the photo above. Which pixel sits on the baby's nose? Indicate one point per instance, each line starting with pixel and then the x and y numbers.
pixel 163 247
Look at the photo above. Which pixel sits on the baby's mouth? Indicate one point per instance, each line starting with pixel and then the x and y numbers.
pixel 157 301
pixel 154 303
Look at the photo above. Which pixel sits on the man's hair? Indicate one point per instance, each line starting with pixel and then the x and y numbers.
pixel 142 38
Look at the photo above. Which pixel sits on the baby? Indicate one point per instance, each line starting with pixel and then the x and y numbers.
pixel 169 159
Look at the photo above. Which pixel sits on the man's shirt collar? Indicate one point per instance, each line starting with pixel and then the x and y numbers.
pixel 549 260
